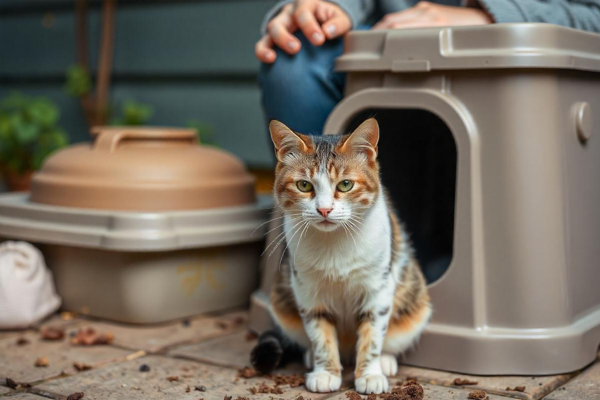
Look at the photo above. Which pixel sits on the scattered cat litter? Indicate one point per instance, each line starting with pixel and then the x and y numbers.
pixel 478 395
pixel 42 362
pixel 89 337
pixel 464 382
pixel 52 333
pixel 81 366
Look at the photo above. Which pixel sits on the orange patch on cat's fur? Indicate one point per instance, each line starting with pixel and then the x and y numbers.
pixel 365 339
pixel 332 364
pixel 290 321
pixel 407 323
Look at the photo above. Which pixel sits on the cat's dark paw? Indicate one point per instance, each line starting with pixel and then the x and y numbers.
pixel 267 355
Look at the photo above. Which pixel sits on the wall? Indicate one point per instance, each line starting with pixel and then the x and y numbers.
pixel 192 60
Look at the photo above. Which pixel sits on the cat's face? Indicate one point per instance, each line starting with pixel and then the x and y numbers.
pixel 328 182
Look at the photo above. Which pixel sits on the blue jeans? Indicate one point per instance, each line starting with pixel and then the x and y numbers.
pixel 301 90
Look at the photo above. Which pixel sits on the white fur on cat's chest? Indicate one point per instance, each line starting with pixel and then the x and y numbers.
pixel 352 261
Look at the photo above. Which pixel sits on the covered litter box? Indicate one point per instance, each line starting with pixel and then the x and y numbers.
pixel 143 225
pixel 521 293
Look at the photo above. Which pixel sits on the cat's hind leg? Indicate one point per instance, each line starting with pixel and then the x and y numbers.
pixel 410 312
pixel 404 331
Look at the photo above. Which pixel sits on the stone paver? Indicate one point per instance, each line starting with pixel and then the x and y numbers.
pixel 433 392
pixel 535 387
pixel 229 351
pixel 584 386
pixel 125 381
pixel 23 396
pixel 154 338
pixel 207 350
pixel 17 362
pixel 13 333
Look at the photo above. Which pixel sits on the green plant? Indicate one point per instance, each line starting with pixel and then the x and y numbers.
pixel 133 114
pixel 79 82
pixel 28 132
pixel 205 132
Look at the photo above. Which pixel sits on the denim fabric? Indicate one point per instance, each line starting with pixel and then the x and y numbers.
pixel 301 90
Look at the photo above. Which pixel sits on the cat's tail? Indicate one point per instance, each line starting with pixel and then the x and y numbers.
pixel 273 350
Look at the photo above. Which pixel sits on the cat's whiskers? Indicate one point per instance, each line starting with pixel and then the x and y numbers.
pixel 288 243
pixel 277 238
pixel 355 223
pixel 283 238
pixel 352 228
pixel 343 223
pixel 305 228
pixel 271 220
pixel 279 226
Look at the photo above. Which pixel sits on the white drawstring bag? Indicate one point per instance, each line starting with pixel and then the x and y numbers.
pixel 27 292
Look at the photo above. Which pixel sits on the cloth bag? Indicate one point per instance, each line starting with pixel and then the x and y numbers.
pixel 27 292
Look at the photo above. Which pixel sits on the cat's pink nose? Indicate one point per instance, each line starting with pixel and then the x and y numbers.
pixel 324 211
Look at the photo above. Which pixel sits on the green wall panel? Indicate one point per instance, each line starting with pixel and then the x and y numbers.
pixel 179 37
pixel 191 60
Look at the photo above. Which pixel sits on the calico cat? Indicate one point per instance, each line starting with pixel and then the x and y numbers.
pixel 350 286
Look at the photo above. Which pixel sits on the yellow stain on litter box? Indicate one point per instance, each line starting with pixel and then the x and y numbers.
pixel 202 271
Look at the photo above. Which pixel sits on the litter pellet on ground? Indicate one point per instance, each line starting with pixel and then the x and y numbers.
pixel 52 333
pixel 478 395
pixel 464 382
pixel 22 341
pixel 81 366
pixel 89 337
pixel 42 362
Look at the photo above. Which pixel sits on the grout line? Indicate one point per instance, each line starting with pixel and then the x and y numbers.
pixel 206 361
pixel 45 393
pixel 206 338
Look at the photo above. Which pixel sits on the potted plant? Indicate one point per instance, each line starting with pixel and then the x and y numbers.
pixel 28 134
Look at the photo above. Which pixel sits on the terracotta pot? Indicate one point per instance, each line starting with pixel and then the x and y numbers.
pixel 143 169
pixel 18 182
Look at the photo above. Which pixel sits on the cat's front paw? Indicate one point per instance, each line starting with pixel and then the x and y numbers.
pixel 323 382
pixel 375 383
pixel 389 364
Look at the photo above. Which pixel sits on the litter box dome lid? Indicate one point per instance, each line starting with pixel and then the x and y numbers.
pixel 143 169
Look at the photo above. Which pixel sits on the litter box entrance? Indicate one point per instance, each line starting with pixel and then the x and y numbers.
pixel 418 158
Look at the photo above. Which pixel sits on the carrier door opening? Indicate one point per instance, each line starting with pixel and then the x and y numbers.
pixel 418 159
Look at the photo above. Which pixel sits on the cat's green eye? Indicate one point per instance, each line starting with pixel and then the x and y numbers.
pixel 345 185
pixel 304 186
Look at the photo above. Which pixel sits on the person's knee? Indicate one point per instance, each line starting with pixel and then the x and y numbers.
pixel 288 72
pixel 301 89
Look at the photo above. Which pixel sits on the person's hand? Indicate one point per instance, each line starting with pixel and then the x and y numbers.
pixel 425 14
pixel 318 20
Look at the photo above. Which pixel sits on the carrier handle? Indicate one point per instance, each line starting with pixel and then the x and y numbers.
pixel 107 139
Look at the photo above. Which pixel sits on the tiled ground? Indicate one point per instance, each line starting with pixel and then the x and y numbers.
pixel 208 351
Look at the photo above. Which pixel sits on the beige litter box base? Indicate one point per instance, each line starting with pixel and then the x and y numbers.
pixel 147 287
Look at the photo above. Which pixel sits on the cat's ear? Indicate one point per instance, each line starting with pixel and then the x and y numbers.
pixel 363 140
pixel 286 141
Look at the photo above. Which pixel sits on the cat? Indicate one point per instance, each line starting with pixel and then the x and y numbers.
pixel 350 286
